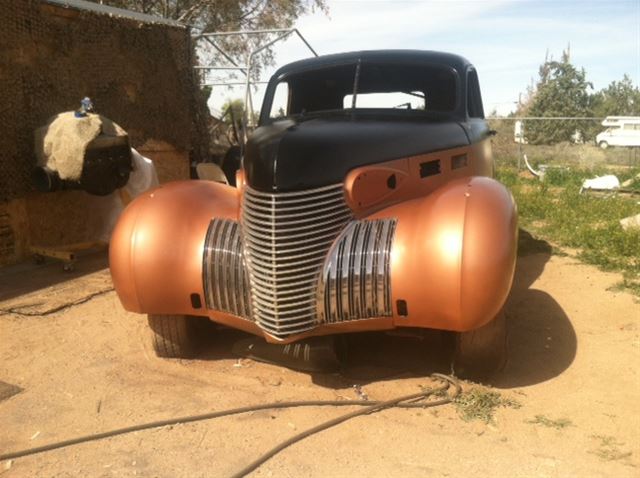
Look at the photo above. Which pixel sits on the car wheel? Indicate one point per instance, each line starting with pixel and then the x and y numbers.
pixel 603 144
pixel 480 353
pixel 172 335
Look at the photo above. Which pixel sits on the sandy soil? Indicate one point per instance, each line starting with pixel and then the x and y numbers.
pixel 575 351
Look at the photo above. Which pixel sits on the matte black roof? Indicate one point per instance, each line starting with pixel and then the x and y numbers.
pixel 457 62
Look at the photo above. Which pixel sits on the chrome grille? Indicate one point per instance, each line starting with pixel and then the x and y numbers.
pixel 286 238
pixel 225 276
pixel 355 281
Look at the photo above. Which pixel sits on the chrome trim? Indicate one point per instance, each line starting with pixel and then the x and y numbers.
pixel 356 277
pixel 254 237
pixel 225 274
pixel 316 210
pixel 292 195
pixel 286 237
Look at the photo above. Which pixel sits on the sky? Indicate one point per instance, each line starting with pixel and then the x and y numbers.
pixel 505 39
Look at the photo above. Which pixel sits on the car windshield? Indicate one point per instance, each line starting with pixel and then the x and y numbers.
pixel 397 88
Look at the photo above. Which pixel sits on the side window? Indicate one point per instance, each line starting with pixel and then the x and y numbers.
pixel 280 104
pixel 474 99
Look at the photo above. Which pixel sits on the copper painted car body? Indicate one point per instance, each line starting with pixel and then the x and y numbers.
pixel 343 220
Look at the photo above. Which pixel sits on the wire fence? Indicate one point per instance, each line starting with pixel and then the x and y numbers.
pixel 576 142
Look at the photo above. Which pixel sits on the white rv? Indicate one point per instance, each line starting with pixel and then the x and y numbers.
pixel 621 131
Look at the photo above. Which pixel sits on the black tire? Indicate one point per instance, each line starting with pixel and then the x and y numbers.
pixel 173 336
pixel 603 144
pixel 480 353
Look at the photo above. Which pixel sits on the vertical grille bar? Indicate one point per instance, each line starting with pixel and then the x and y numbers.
pixel 356 278
pixel 286 237
pixel 226 283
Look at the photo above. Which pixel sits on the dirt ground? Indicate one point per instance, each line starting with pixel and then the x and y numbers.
pixel 88 367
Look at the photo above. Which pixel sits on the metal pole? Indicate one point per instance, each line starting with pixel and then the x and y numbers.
pixel 247 86
pixel 243 32
pixel 251 106
pixel 234 83
pixel 248 82
pixel 267 45
pixel 241 68
pixel 246 70
pixel 223 53
pixel 305 42
pixel 521 139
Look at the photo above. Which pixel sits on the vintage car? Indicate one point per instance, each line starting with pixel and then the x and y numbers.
pixel 364 203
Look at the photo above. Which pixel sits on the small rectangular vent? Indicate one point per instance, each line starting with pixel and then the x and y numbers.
pixel 429 168
pixel 459 161
pixel 196 303
pixel 403 310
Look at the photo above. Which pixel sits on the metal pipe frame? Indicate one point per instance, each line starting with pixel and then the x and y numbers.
pixel 234 83
pixel 248 111
pixel 242 68
pixel 223 53
pixel 246 70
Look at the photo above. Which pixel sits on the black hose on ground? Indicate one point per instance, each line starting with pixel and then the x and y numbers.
pixel 372 408
pixel 408 401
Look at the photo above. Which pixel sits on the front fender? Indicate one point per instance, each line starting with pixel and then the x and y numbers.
pixel 155 253
pixel 453 256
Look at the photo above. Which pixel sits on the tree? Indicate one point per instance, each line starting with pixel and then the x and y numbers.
pixel 562 90
pixel 620 98
pixel 228 15
pixel 222 15
pixel 237 110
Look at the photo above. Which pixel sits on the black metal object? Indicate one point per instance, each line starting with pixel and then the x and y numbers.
pixel 416 57
pixel 46 180
pixel 322 139
pixel 316 354
pixel 104 170
pixel 322 151
pixel 231 163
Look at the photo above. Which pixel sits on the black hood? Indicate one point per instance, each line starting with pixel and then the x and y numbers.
pixel 289 156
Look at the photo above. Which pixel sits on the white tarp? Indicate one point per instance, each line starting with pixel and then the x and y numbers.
pixel 609 182
pixel 108 208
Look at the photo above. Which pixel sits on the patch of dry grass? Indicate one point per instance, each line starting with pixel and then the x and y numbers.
pixel 480 403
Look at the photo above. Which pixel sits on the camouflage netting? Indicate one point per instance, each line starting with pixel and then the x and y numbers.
pixel 137 74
